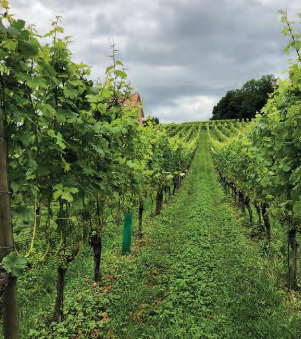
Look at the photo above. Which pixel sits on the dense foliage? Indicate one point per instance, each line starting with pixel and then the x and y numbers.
pixel 245 102
pixel 262 163
pixel 77 157
pixel 151 119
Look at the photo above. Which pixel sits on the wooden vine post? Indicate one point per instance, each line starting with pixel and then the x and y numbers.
pixel 9 298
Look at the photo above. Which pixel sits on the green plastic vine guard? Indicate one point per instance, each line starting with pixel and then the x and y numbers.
pixel 127 233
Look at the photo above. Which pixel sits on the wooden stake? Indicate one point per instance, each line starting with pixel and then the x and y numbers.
pixel 9 298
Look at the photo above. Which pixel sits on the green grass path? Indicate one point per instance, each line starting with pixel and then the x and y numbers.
pixel 197 275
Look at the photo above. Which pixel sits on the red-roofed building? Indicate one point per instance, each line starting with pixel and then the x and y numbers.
pixel 135 101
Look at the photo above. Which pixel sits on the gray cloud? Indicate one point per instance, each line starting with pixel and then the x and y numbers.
pixel 182 56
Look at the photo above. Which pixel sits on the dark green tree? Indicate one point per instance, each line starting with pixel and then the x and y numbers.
pixel 245 102
pixel 153 120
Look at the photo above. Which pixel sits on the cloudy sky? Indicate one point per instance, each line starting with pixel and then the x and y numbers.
pixel 182 55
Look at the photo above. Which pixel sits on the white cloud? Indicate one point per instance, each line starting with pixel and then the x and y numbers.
pixel 194 108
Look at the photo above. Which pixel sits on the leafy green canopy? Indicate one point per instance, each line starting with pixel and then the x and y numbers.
pixel 244 103
pixel 72 143
pixel 264 159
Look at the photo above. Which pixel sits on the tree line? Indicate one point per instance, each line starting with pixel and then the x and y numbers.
pixel 245 102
